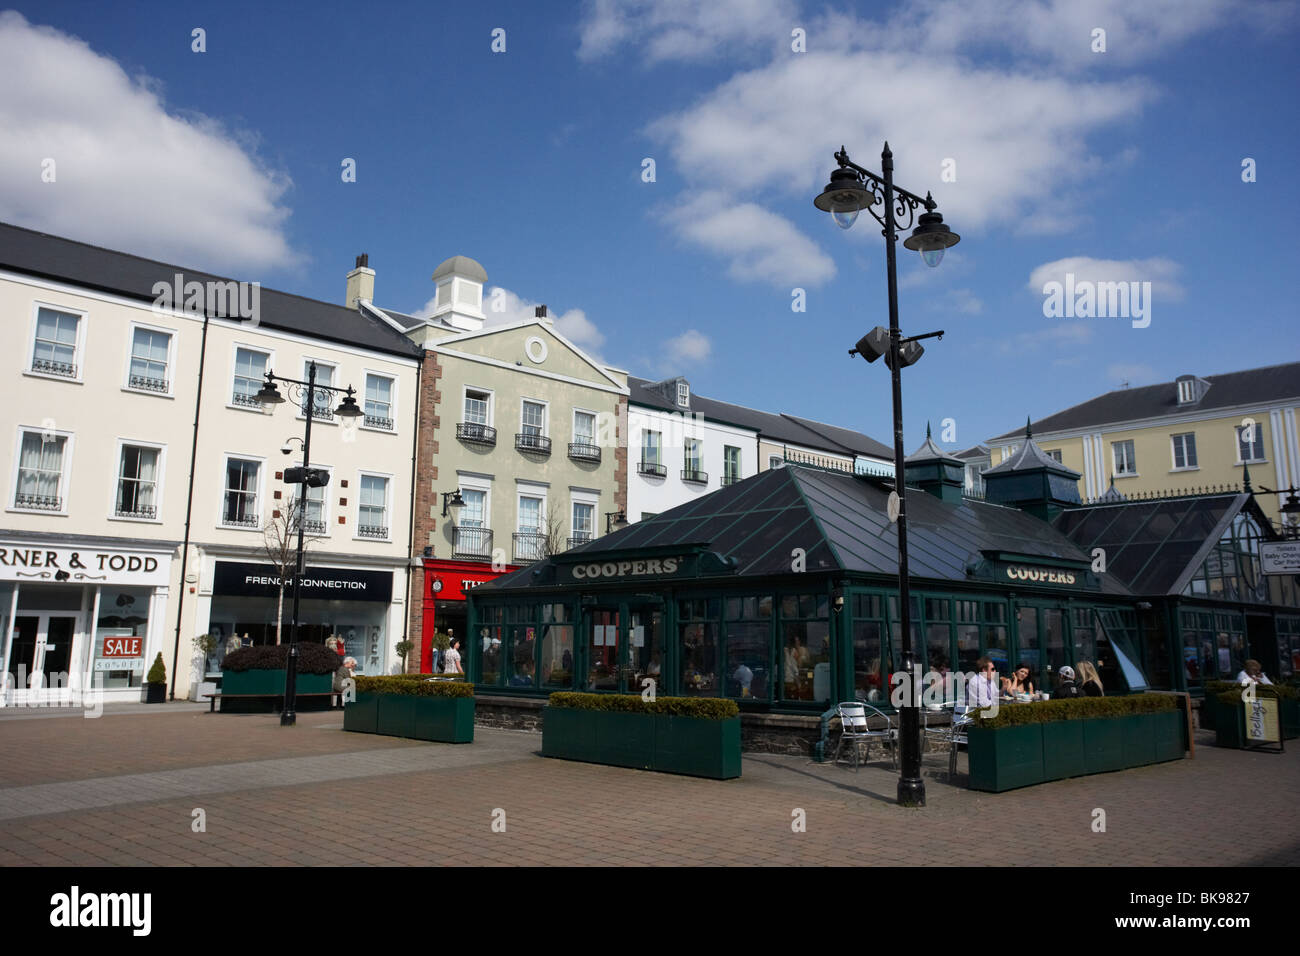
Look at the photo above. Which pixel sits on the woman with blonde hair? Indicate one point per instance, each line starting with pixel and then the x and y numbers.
pixel 1089 680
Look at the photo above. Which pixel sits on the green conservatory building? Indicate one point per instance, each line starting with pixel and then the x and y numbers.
pixel 780 592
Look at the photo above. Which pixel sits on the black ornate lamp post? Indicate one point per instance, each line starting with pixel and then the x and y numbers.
pixel 850 190
pixel 308 477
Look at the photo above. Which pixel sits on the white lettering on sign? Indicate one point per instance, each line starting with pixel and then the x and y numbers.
pixel 1040 575
pixel 273 581
pixel 123 647
pixel 466 585
pixel 619 569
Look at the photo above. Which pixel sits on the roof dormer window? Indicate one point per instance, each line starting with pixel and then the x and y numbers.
pixel 1186 391
pixel 683 395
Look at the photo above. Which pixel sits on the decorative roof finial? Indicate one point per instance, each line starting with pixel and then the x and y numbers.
pixel 1029 431
pixel 1245 480
pixel 927 430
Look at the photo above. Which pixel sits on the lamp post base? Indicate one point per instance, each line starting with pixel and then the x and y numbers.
pixel 911 792
pixel 288 719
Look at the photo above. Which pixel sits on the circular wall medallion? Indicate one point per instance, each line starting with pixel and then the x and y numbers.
pixel 437 585
pixel 535 349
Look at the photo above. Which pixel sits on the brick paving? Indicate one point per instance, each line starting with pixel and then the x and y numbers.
pixel 121 790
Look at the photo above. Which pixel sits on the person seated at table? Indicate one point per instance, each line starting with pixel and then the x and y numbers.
pixel 1018 682
pixel 744 677
pixel 982 688
pixel 1067 687
pixel 1252 672
pixel 523 676
pixel 1090 680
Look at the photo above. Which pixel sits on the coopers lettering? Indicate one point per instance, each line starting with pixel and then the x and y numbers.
pixel 1040 575
pixel 620 569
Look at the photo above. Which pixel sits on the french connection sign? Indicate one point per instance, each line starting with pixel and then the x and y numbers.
pixel 331 584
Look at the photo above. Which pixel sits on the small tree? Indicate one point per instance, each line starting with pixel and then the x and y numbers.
pixel 157 673
pixel 404 647
pixel 280 545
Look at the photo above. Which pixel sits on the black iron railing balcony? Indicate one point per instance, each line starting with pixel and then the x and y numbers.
pixel 240 521
pixel 50 367
pixel 319 413
pixel 371 531
pixel 584 451
pixel 313 526
pixel 529 546
pixel 578 540
pixel 472 543
pixel 246 401
pixel 476 434
pixel 146 512
pixel 527 441
pixel 40 502
pixel 730 480
pixel 652 468
pixel 149 383
pixel 376 421
pixel 690 474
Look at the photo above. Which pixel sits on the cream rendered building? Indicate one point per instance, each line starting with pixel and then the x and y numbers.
pixel 116 390
pixel 524 425
pixel 1194 432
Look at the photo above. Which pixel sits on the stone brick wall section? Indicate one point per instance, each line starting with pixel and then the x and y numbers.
pixel 427 508
pixel 620 458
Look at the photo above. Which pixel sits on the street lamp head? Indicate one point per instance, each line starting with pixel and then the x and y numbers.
pixel 269 395
pixel 348 408
pixel 930 238
pixel 843 197
pixel 872 345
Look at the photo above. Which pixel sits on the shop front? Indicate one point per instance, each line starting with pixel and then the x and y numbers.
pixel 446 585
pixel 355 604
pixel 78 618
pixel 781 593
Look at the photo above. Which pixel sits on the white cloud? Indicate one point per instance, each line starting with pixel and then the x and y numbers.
pixel 1063 335
pixel 691 347
pixel 965 301
pixel 758 244
pixel 1160 272
pixel 129 174
pixel 573 324
pixel 685 29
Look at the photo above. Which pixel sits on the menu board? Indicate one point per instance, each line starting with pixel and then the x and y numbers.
pixel 1262 723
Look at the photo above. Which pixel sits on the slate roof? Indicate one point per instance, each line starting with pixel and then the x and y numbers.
pixel 841 522
pixel 1256 386
pixel 105 270
pixel 1155 547
pixel 1028 457
pixel 776 428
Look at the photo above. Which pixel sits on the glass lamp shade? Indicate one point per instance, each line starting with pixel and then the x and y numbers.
pixel 930 238
pixel 843 197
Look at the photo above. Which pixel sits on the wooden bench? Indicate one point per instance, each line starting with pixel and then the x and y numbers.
pixel 278 699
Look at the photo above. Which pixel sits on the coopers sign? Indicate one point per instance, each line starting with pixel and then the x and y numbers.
pixel 331 584
pixel 1020 572
pixel 644 567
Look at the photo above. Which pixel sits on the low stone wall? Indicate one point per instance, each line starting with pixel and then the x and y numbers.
pixel 509 713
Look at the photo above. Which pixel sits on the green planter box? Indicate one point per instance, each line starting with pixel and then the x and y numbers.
pixel 1231 729
pixel 1210 708
pixel 1170 731
pixel 1005 758
pixel 1063 749
pixel 1290 719
pixel 362 715
pixel 686 745
pixel 448 720
pixel 1103 744
pixel 270 683
pixel 1139 740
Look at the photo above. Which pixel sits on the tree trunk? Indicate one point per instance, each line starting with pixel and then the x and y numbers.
pixel 279 612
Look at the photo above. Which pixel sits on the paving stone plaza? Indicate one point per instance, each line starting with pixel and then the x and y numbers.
pixel 127 789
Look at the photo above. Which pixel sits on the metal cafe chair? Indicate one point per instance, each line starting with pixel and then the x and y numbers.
pixel 855 728
pixel 954 734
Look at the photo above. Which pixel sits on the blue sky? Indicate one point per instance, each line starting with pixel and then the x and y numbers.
pixel 1118 165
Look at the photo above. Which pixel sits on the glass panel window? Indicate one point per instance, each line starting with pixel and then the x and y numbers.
pixel 730 464
pixel 645 653
pixel 137 483
pixel 1054 625
pixel 313 516
pixel 1250 442
pixel 40 472
pixel 149 354
pixel 775 461
pixel 476 407
pixel 530 514
pixel 602 672
pixel 557 646
pixel 584 427
pixel 534 419
pixel 683 394
pixel 55 350
pixel 584 521
pixel 692 453
pixel 746 647
pixel 650 445
pixel 698 624
pixel 241 493
pixel 372 514
pixel 1054 454
pixel 121 632
pixel 250 370
pixel 1125 461
pixel 1027 643
pixel 473 513
pixel 379 401
pixel 1185 450
pixel 806 663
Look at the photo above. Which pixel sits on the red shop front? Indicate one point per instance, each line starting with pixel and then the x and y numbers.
pixel 445 586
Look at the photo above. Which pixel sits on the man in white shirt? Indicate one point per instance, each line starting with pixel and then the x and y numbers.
pixel 982 689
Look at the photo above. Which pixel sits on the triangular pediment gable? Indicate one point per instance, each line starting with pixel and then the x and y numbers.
pixel 535 346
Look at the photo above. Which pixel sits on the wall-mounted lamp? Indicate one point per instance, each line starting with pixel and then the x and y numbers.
pixel 837 599
pixel 615 521
pixel 456 501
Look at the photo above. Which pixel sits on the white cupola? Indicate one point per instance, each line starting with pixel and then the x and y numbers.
pixel 459 298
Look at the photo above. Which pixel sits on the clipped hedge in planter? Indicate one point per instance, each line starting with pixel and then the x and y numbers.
pixel 1027 744
pixel 699 737
pixel 413 706
pixel 312 659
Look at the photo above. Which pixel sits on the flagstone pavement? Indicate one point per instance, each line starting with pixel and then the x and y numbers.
pixel 132 787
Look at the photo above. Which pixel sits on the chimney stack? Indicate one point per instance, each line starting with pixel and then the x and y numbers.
pixel 361 282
